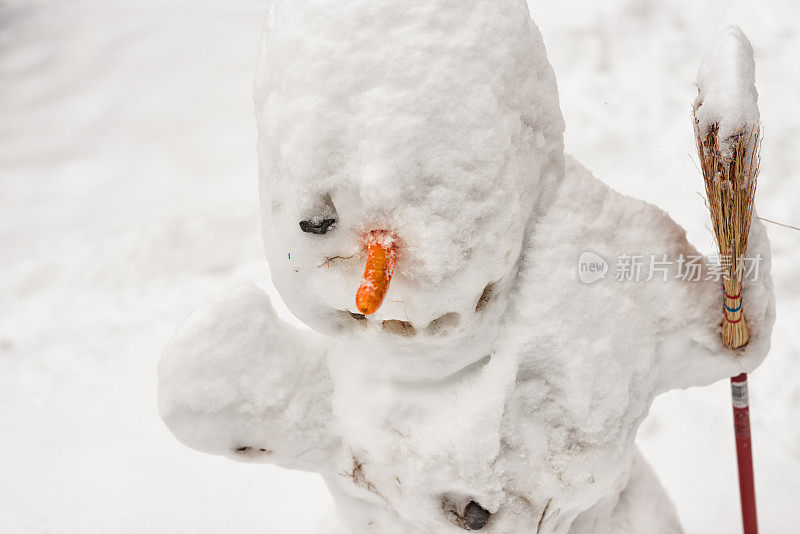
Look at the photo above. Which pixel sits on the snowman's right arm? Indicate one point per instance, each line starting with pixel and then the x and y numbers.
pixel 237 381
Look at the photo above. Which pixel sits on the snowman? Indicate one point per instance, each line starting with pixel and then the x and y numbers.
pixel 420 216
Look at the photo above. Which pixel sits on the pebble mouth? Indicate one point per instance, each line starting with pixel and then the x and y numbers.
pixel 440 327
pixel 399 328
pixel 486 297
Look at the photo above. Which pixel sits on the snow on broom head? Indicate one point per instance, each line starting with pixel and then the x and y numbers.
pixel 727 131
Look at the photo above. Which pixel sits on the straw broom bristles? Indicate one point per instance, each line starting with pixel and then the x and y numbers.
pixel 730 174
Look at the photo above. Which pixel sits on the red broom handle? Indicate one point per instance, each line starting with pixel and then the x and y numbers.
pixel 744 453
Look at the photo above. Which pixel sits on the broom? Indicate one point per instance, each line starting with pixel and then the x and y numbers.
pixel 728 136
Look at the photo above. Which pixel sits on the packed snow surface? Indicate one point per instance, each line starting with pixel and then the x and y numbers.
pixel 128 199
pixel 727 98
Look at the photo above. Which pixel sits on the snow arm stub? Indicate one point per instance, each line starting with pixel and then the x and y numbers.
pixel 693 354
pixel 237 381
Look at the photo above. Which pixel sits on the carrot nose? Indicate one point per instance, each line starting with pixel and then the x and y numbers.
pixel 381 251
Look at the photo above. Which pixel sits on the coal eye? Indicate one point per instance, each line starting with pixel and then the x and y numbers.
pixel 316 226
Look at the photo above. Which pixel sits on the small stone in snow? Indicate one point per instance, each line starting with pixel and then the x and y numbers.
pixel 476 516
pixel 316 226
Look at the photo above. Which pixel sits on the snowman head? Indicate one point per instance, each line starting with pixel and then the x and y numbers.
pixel 432 125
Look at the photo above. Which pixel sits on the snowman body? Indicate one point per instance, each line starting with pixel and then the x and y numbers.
pixel 494 389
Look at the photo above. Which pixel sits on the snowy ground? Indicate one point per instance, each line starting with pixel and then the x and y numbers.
pixel 128 198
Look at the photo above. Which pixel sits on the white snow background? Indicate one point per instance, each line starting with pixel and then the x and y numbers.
pixel 128 198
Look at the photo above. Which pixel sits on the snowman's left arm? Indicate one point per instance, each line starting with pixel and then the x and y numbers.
pixel 690 349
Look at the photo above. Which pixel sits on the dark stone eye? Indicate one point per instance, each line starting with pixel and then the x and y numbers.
pixel 316 226
pixel 476 516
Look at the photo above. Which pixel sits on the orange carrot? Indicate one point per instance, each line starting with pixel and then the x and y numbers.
pixel 381 251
